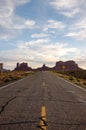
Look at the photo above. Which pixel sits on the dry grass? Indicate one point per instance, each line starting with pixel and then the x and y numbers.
pixel 6 77
pixel 79 81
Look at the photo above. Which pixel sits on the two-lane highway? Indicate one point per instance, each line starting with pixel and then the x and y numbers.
pixel 42 101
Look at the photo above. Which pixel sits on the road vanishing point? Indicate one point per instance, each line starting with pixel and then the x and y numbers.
pixel 42 101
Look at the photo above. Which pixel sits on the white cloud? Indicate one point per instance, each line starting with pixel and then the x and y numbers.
pixel 75 9
pixel 80 24
pixel 79 35
pixel 38 52
pixel 16 22
pixel 77 30
pixel 8 6
pixel 67 8
pixel 34 43
pixel 11 23
pixel 20 23
pixel 81 59
pixel 40 35
pixel 53 24
pixel 20 2
pixel 59 4
pixel 70 13
pixel 38 42
pixel 29 23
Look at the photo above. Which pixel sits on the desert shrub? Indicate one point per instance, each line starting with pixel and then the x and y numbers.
pixel 70 78
pixel 11 76
pixel 78 79
pixel 84 83
pixel 79 74
pixel 7 80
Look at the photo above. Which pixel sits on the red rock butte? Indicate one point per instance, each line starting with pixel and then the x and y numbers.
pixel 23 67
pixel 60 65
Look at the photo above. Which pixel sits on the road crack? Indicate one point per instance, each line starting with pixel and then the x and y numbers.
pixel 70 124
pixel 5 105
pixel 20 122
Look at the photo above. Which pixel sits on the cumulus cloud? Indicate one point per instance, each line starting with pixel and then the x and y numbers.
pixel 12 26
pixel 7 7
pixel 80 24
pixel 79 35
pixel 64 4
pixel 53 24
pixel 77 30
pixel 34 43
pixel 74 9
pixel 67 8
pixel 20 2
pixel 71 13
pixel 11 23
pixel 20 23
pixel 44 52
pixel 81 59
pixel 40 35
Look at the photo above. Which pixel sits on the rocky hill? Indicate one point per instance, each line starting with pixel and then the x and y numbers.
pixel 60 65
pixel 44 68
pixel 23 67
pixel 68 65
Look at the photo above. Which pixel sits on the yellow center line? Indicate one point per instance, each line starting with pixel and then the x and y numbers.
pixel 43 118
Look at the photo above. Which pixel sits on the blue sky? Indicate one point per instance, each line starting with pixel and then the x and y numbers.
pixel 38 32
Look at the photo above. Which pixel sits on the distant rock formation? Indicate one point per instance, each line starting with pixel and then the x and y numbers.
pixel 68 65
pixel 60 65
pixel 2 68
pixel 23 67
pixel 43 68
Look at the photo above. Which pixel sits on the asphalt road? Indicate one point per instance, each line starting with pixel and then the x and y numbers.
pixel 42 101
